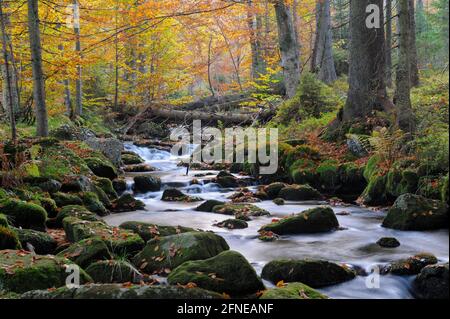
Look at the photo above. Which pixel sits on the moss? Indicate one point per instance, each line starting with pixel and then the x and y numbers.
pixel 299 193
pixel 232 224
pixel 274 189
pixel 79 212
pixel 371 168
pixel 303 176
pixel 314 273
pixel 228 272
pixel 175 195
pixel 127 203
pixel 21 271
pixel 171 251
pixel 8 239
pixel 23 214
pixel 316 220
pixel 112 271
pixel 328 175
pixel 107 186
pixel 4 221
pixel 131 159
pixel 279 201
pixel 63 199
pixel 119 241
pixel 119 185
pixel 42 243
pixel 209 205
pixel 412 265
pixel 293 290
pixel 430 186
pixel 101 167
pixel 92 203
pixel 86 252
pixel 144 184
pixel 375 192
pixel 149 231
pixel 302 152
pixel 240 210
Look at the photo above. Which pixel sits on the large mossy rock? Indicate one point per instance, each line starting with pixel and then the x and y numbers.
pixel 106 186
pixel 92 202
pixel 119 292
pixel 63 199
pixel 229 272
pixel 149 231
pixel 316 220
pixel 131 159
pixel 119 241
pixel 432 282
pixel 144 184
pixel 42 243
pixel 232 224
pixel 414 212
pixel 112 271
pixel 9 239
pixel 111 148
pixel 209 205
pixel 299 193
pixel 274 189
pixel 23 214
pixel 4 220
pixel 86 252
pixel 240 211
pixel 314 273
pixel 22 271
pixel 294 290
pixel 127 203
pixel 76 211
pixel 412 265
pixel 101 167
pixel 171 251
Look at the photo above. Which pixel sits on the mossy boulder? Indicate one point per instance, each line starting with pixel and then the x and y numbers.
pixel 412 265
pixel 232 224
pixel 42 243
pixel 316 220
pixel 144 184
pixel 209 205
pixel 432 282
pixel 106 185
pixel 4 220
pixel 375 193
pixel 274 189
pixel 119 292
pixel 171 251
pixel 93 203
pixel 175 195
pixel 86 252
pixel 127 203
pixel 240 211
pixel 279 201
pixel 314 273
pixel 139 168
pixel 112 271
pixel 119 241
pixel 101 167
pixel 23 214
pixel 119 185
pixel 76 184
pixel 414 212
pixel 9 239
pixel 388 242
pixel 63 199
pixel 48 204
pixel 227 181
pixel 299 193
pixel 149 231
pixel 21 271
pixel 50 186
pixel 131 159
pixel 294 290
pixel 76 211
pixel 229 272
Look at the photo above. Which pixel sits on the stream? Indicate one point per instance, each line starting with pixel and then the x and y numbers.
pixel 354 245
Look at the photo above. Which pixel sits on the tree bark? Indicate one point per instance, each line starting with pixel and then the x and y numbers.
pixel 405 117
pixel 254 27
pixel 8 79
pixel 290 53
pixel 389 43
pixel 367 88
pixel 323 60
pixel 211 88
pixel 66 84
pixel 79 81
pixel 414 72
pixel 38 73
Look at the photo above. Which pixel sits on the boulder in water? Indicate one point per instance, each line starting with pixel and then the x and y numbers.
pixel 294 290
pixel 130 158
pixel 175 195
pixel 232 224
pixel 144 184
pixel 299 193
pixel 316 220
pixel 229 272
pixel 432 282
pixel 240 211
pixel 314 273
pixel 127 203
pixel 209 205
pixel 412 265
pixel 274 189
pixel 388 242
pixel 101 167
pixel 149 231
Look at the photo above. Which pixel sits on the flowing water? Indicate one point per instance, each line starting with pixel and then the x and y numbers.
pixel 354 245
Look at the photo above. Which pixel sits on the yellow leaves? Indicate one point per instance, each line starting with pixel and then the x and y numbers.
pixel 281 284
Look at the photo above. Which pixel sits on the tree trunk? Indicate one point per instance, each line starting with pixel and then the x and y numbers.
pixel 211 88
pixel 405 117
pixel 116 65
pixel 389 43
pixel 254 26
pixel 323 60
pixel 290 53
pixel 8 79
pixel 38 73
pixel 79 81
pixel 66 84
pixel 414 72
pixel 367 89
